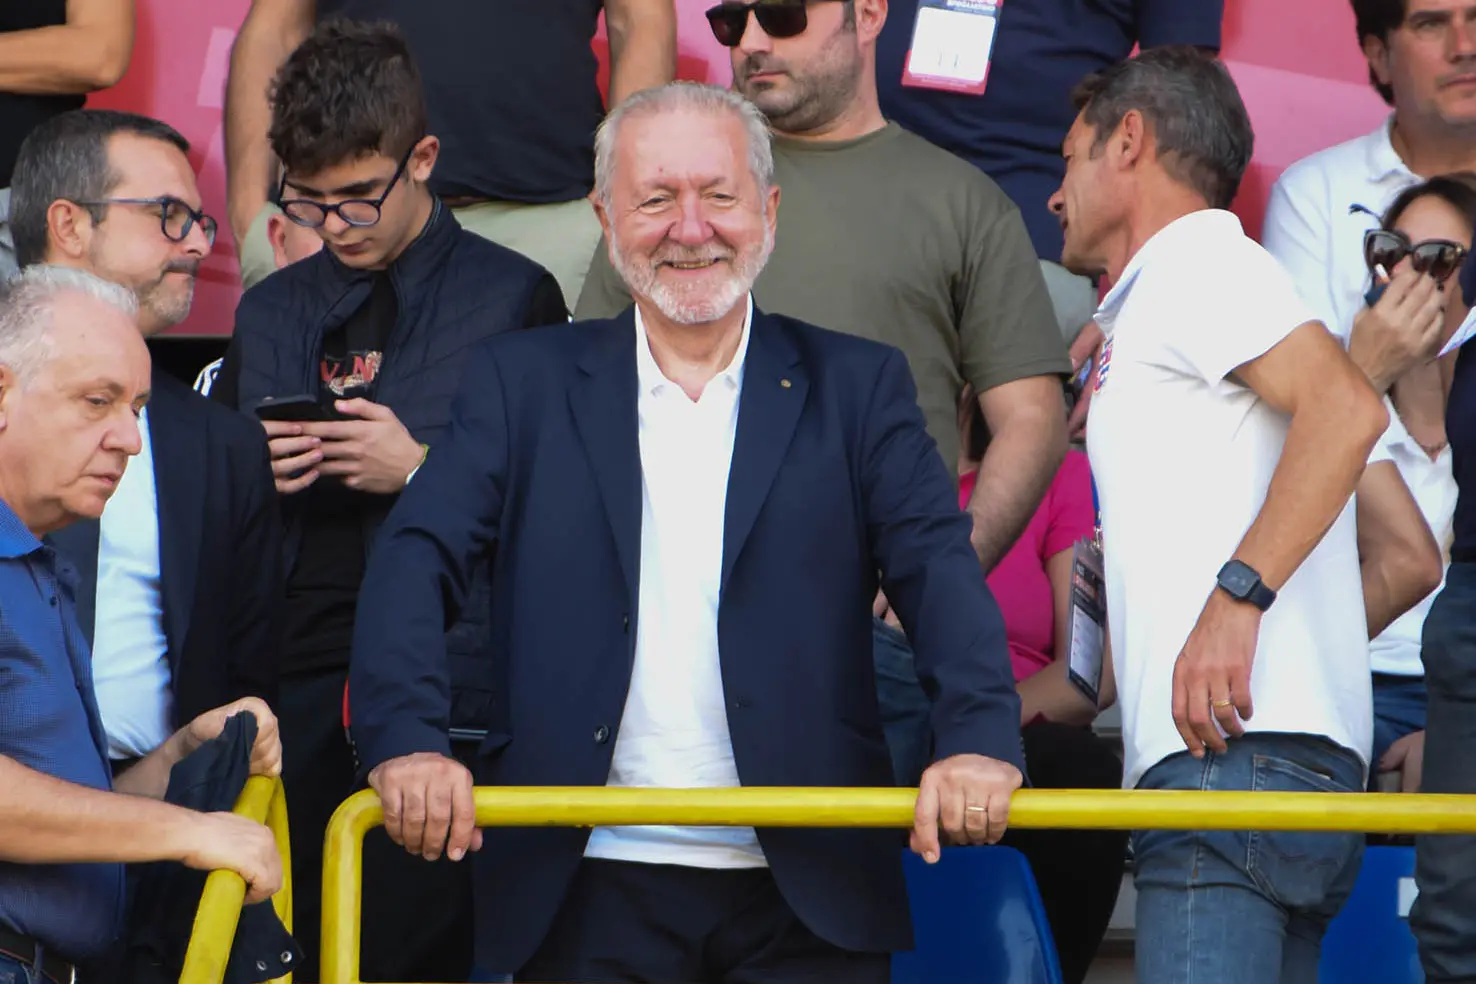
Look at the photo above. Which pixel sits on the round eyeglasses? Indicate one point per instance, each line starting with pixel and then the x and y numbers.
pixel 176 217
pixel 360 212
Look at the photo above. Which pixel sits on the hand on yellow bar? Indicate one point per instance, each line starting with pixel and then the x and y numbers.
pixel 969 796
pixel 266 752
pixel 428 805
pixel 211 841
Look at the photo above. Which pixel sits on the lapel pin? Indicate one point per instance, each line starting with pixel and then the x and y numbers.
pixel 785 383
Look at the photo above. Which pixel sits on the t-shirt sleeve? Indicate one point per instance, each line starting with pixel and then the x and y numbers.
pixel 1195 22
pixel 1297 231
pixel 1236 306
pixel 604 294
pixel 1007 327
pixel 1070 516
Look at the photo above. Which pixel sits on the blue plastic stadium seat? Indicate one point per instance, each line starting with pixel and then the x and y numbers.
pixel 977 919
pixel 1370 942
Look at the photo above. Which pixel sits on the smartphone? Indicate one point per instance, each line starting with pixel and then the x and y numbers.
pixel 292 408
pixel 1079 381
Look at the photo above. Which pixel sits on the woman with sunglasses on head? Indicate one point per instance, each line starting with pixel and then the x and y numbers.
pixel 1420 244
pixel 1444 914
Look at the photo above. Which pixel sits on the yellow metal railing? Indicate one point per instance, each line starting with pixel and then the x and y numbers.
pixel 220 904
pixel 585 806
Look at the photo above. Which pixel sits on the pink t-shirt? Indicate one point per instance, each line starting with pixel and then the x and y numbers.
pixel 1019 582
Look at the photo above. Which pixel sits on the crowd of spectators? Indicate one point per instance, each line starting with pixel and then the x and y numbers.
pixel 880 419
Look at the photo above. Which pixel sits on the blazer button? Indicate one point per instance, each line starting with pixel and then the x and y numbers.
pixel 625 623
pixel 602 735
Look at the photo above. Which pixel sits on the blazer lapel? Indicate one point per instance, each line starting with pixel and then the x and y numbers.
pixel 178 442
pixel 775 386
pixel 78 543
pixel 603 401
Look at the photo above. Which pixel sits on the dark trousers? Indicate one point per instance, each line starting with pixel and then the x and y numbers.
pixel 1444 915
pixel 416 914
pixel 628 922
pixel 1079 872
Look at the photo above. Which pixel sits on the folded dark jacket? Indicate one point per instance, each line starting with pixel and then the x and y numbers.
pixel 166 895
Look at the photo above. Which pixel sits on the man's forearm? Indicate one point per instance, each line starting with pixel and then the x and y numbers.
pixel 65 59
pixel 642 46
pixel 1327 447
pixel 1017 469
pixel 261 47
pixel 49 821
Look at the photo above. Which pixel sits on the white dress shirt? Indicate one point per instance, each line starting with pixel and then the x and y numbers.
pixel 130 661
pixel 674 732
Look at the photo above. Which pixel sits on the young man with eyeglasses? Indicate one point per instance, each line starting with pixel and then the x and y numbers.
pixel 180 581
pixel 369 336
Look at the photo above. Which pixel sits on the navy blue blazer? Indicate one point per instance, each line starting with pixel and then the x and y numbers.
pixel 220 551
pixel 833 479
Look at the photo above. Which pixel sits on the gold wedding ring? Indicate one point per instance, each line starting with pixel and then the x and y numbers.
pixel 1221 702
pixel 975 809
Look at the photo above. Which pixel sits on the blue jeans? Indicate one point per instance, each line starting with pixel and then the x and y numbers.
pixel 906 712
pixel 1444 915
pixel 1399 710
pixel 12 971
pixel 1228 907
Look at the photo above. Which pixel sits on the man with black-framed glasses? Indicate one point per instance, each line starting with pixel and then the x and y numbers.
pixel 180 589
pixel 367 339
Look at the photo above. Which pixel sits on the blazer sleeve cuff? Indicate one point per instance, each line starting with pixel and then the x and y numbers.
pixel 996 739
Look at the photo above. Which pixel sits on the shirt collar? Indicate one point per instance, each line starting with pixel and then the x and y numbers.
pixel 649 375
pixel 15 539
pixel 1383 160
pixel 1183 234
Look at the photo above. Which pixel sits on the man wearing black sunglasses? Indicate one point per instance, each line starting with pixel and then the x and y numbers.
pixel 368 339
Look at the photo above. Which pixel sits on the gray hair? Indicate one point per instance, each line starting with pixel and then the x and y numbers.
pixel 27 303
pixel 695 96
pixel 1192 107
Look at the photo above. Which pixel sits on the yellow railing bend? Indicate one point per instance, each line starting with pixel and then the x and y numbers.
pixel 586 806
pixel 220 904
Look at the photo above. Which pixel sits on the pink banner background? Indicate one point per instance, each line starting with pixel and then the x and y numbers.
pixel 1302 97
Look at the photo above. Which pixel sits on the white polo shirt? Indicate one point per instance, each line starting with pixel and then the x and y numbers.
pixel 1182 458
pixel 1309 229
pixel 1432 483
pixel 674 732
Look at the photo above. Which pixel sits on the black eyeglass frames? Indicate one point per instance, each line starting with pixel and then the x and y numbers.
pixel 176 217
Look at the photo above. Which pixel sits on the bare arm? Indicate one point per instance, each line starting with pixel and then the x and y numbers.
pixel 1397 553
pixel 90 51
pixel 1335 419
pixel 1027 427
pixel 273 28
pixel 1049 692
pixel 643 45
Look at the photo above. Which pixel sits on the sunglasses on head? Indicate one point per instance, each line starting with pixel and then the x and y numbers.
pixel 778 18
pixel 1439 258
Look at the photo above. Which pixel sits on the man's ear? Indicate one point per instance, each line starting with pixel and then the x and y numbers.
pixel 1376 51
pixel 9 385
pixel 1129 142
pixel 69 230
pixel 423 159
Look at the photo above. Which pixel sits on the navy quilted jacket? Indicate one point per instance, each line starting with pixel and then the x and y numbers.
pixel 454 290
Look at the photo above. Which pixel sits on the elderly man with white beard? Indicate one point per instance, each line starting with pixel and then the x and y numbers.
pixel 688 511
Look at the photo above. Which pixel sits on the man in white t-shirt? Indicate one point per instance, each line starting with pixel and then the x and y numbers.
pixel 1228 432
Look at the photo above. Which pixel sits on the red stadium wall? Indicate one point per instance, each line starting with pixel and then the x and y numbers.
pixel 1301 97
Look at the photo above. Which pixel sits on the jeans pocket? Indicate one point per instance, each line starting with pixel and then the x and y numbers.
pixel 1311 871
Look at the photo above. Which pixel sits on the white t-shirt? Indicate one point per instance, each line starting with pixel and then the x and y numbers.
pixel 1182 458
pixel 1310 229
pixel 1432 483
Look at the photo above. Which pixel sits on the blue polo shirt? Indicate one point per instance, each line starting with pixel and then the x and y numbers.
pixel 1042 48
pixel 49 722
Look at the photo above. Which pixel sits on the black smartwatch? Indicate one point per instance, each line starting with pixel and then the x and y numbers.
pixel 1240 581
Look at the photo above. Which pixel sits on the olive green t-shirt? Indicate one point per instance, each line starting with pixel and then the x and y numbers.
pixel 893 239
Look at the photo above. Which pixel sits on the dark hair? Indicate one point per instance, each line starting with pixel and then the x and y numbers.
pixel 350 90
pixel 1191 106
pixel 66 158
pixel 1456 190
pixel 1376 19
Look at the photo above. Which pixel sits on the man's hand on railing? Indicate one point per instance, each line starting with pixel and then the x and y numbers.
pixel 969 797
pixel 428 805
pixel 212 841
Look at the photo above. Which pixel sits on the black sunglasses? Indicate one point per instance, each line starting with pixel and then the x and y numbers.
pixel 359 212
pixel 1439 258
pixel 778 18
pixel 176 218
